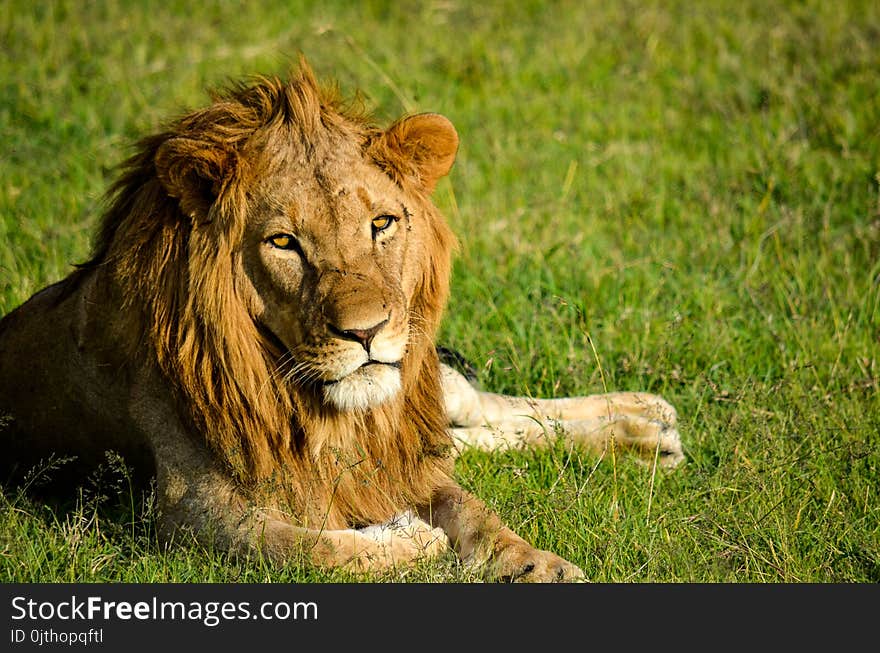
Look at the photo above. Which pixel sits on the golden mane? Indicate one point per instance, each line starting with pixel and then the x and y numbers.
pixel 175 265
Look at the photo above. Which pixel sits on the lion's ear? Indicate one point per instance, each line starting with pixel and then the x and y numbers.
pixel 193 171
pixel 428 141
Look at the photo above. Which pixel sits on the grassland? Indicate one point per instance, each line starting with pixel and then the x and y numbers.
pixel 692 190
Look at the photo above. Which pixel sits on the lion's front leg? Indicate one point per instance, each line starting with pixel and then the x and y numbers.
pixel 481 539
pixel 197 500
pixel 205 506
pixel 373 549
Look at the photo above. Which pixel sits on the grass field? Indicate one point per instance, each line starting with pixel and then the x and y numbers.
pixel 690 189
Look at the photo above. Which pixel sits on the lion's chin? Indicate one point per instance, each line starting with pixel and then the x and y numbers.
pixel 365 388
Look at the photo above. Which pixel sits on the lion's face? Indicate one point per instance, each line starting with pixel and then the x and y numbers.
pixel 321 231
pixel 329 265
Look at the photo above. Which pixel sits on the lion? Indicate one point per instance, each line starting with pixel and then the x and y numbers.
pixel 254 330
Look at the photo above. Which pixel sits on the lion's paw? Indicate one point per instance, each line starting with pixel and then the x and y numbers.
pixel 521 563
pixel 651 439
pixel 402 540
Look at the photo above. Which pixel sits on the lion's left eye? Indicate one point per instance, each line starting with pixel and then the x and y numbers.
pixel 283 241
pixel 382 222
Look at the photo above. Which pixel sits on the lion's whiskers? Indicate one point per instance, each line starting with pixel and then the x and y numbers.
pixel 276 372
pixel 417 326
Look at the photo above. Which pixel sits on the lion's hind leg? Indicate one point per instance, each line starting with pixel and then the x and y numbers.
pixel 636 421
pixel 649 439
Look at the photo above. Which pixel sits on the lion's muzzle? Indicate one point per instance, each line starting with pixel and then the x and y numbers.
pixel 368 386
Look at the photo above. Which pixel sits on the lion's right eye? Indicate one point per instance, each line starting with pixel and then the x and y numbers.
pixel 283 241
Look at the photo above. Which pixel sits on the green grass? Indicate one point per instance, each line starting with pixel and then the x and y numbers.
pixel 695 187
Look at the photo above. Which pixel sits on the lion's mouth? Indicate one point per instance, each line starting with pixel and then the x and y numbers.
pixel 370 384
pixel 361 370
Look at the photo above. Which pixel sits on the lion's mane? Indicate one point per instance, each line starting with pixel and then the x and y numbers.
pixel 182 312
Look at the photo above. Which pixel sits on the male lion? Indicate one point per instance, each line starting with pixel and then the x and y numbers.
pixel 255 330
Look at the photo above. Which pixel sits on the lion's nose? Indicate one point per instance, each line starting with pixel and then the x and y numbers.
pixel 363 336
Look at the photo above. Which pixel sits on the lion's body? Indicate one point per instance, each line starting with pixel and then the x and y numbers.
pixel 57 382
pixel 255 329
